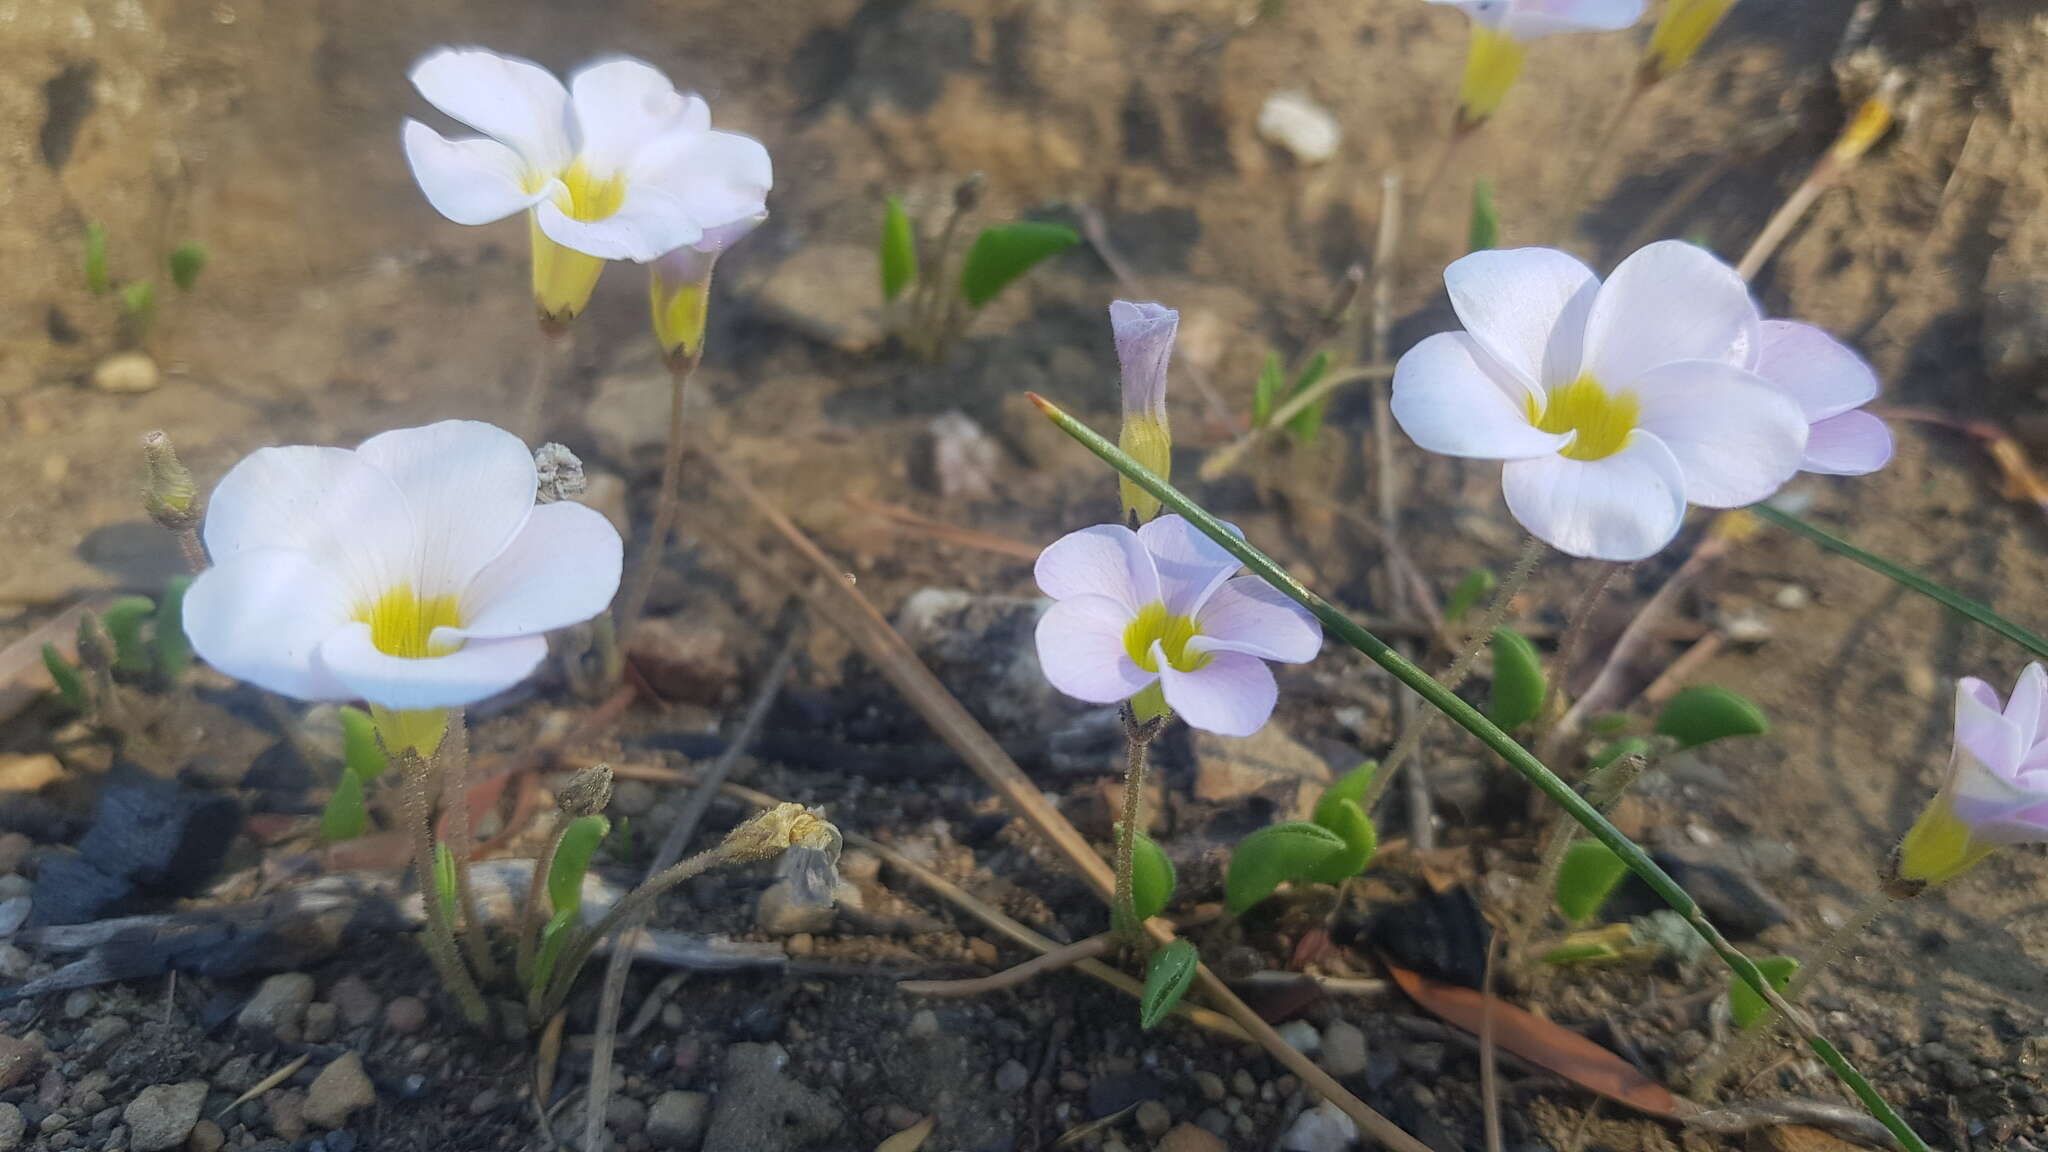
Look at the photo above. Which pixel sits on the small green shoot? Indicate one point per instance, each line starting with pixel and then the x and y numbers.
pixel 138 300
pixel 1273 855
pixel 173 651
pixel 1588 877
pixel 1152 878
pixel 1003 253
pixel 1349 821
pixel 1350 786
pixel 361 752
pixel 70 686
pixel 346 816
pixel 123 620
pixel 187 261
pixel 1167 977
pixel 1745 1006
pixel 1484 232
pixel 1266 392
pixel 572 860
pixel 444 881
pixel 1472 587
pixel 899 251
pixel 1518 680
pixel 1309 420
pixel 1703 713
pixel 97 280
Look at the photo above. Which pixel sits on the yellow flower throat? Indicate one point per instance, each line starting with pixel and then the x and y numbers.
pixel 1172 633
pixel 1602 419
pixel 402 624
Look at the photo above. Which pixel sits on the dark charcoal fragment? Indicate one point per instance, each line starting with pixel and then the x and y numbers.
pixel 150 841
pixel 1734 900
pixel 1441 935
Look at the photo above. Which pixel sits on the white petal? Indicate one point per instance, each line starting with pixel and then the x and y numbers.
pixel 2028 703
pixel 474 181
pixel 621 105
pixel 1106 560
pixel 1451 397
pixel 1528 308
pixel 717 177
pixel 1190 565
pixel 1081 650
pixel 561 569
pixel 329 503
pixel 1814 368
pixel 1669 301
pixel 469 486
pixel 1983 731
pixel 1736 438
pixel 260 616
pixel 482 669
pixel 513 101
pixel 1231 695
pixel 1624 507
pixel 649 224
pixel 1530 19
pixel 1852 444
pixel 1251 616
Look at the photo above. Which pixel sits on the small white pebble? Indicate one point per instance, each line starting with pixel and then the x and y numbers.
pixel 1300 125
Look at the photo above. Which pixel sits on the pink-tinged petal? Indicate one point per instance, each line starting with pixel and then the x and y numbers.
pixel 1814 368
pixel 1991 741
pixel 1852 444
pixel 1081 650
pixel 473 181
pixel 717 177
pixel 1106 560
pixel 1231 695
pixel 2025 825
pixel 1998 808
pixel 1251 616
pixel 1735 437
pixel 1669 301
pixel 1527 307
pixel 469 486
pixel 348 517
pixel 515 102
pixel 561 569
pixel 2026 708
pixel 650 223
pixel 260 616
pixel 1450 397
pixel 1144 335
pixel 1190 565
pixel 622 105
pixel 1623 507
pixel 480 670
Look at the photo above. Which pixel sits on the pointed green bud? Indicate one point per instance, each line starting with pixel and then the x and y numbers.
pixel 1144 335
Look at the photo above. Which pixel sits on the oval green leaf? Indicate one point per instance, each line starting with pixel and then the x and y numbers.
pixel 1471 588
pixel 1350 786
pixel 1003 253
pixel 1267 390
pixel 70 687
pixel 1152 878
pixel 1354 827
pixel 572 860
pixel 1167 976
pixel 444 881
pixel 123 620
pixel 167 634
pixel 360 750
pixel 187 261
pixel 899 250
pixel 1275 855
pixel 1704 713
pixel 1518 681
pixel 345 817
pixel 1309 420
pixel 1587 879
pixel 1745 1006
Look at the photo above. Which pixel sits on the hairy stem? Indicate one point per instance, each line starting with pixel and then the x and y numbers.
pixel 667 499
pixel 440 942
pixel 1548 735
pixel 531 917
pixel 1139 734
pixel 453 755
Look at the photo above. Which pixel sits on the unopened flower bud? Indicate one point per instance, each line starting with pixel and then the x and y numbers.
pixel 587 793
pixel 1681 29
pixel 1144 335
pixel 168 494
pixel 780 828
pixel 558 473
pixel 679 287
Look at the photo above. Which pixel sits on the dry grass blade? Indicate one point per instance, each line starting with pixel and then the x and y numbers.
pixel 1024 973
pixel 846 609
pixel 266 1084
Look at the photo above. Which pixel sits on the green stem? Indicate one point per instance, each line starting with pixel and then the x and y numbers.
pixel 1489 734
pixel 419 819
pixel 1954 601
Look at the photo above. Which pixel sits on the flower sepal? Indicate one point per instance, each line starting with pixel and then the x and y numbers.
pixel 1938 848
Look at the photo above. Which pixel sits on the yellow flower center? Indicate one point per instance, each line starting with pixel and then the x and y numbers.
pixel 1172 633
pixel 590 198
pixel 1602 419
pixel 402 624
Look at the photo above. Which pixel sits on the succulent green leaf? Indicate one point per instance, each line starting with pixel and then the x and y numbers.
pixel 444 881
pixel 167 634
pixel 1484 232
pixel 1704 713
pixel 1167 977
pixel 346 816
pixel 1309 420
pixel 1274 855
pixel 138 299
pixel 1587 879
pixel 552 936
pixel 1350 786
pixel 97 280
pixel 1518 681
pixel 1003 253
pixel 1354 827
pixel 1471 588
pixel 1745 1005
pixel 899 250
pixel 572 860
pixel 123 620
pixel 1272 378
pixel 187 262
pixel 70 686
pixel 360 750
pixel 1152 878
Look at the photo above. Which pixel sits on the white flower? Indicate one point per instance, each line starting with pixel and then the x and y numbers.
pixel 1529 19
pixel 414 572
pixel 1831 384
pixel 1614 405
pixel 617 166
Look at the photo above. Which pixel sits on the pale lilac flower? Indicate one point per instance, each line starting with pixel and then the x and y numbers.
pixel 1161 610
pixel 415 572
pixel 1613 405
pixel 1831 384
pixel 1997 787
pixel 1144 335
pixel 1530 19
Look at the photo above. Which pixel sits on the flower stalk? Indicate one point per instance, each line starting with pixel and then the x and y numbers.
pixel 1139 734
pixel 418 774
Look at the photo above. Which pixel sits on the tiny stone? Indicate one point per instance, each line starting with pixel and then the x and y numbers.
pixel 1426 1058
pixel 12 1127
pixel 278 1006
pixel 625 1115
pixel 1154 1119
pixel 18 1058
pixel 672 1016
pixel 1211 1085
pixel 1300 1036
pixel 1012 1078
pixel 1792 597
pixel 405 1015
pixel 1297 123
pixel 1320 1129
pixel 1343 1049
pixel 287 1113
pixel 318 1024
pixel 126 372
pixel 483 1102
pixel 1071 1080
pixel 355 1001
pixel 14 848
pixel 206 1137
pixel 801 944
pixel 677 1119
pixel 79 1004
pixel 341 1090
pixel 924 1024
pixel 1242 1084
pixel 162 1115
pixel 1189 1138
